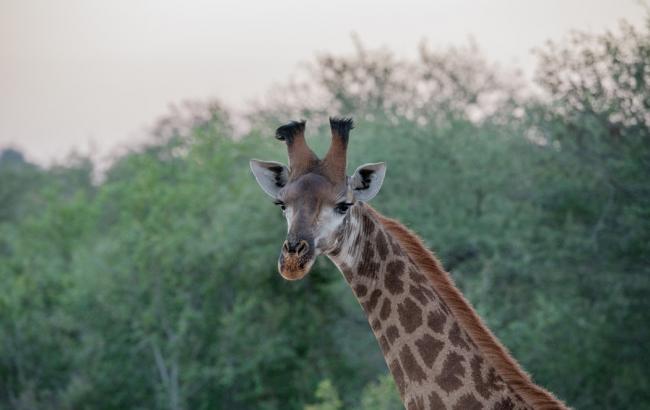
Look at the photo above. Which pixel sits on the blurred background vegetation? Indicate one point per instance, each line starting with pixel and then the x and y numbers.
pixel 155 286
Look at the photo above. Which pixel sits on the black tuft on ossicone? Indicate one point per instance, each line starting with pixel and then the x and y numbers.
pixel 287 131
pixel 342 127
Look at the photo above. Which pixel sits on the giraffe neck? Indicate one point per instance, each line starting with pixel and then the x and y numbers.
pixel 434 361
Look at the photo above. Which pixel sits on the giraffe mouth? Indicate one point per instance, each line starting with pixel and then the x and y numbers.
pixel 295 267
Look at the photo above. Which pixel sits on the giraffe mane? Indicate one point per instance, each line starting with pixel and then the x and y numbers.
pixel 488 344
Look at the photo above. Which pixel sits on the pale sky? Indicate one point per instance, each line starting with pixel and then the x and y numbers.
pixel 96 73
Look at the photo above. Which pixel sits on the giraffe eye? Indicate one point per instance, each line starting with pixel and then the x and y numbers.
pixel 342 207
pixel 281 204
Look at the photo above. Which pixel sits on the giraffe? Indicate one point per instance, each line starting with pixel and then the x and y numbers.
pixel 436 347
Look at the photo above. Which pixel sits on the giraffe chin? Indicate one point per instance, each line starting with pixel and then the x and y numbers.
pixel 294 268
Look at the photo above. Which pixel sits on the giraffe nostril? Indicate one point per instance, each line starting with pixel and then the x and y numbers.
pixel 294 247
pixel 302 247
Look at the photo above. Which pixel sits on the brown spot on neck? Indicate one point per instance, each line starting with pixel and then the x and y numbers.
pixel 450 377
pixel 429 348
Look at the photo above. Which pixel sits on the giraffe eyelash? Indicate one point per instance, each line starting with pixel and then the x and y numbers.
pixel 342 207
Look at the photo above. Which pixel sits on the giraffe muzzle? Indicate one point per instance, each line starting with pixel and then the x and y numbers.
pixel 296 259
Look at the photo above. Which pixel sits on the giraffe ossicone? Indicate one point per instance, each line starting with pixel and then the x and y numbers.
pixel 437 349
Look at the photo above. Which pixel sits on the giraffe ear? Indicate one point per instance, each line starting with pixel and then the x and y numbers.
pixel 366 180
pixel 270 175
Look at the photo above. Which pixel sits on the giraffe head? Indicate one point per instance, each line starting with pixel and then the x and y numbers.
pixel 314 194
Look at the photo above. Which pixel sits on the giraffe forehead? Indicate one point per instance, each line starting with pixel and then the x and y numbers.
pixel 309 188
